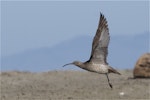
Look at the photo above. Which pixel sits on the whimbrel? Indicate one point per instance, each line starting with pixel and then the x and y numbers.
pixel 98 59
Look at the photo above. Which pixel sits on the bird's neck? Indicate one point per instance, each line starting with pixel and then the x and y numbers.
pixel 81 65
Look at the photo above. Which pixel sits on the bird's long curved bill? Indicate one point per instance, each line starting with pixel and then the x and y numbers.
pixel 67 64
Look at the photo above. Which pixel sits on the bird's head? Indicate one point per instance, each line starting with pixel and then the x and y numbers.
pixel 76 63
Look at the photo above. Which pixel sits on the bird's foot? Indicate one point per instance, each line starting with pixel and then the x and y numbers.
pixel 111 85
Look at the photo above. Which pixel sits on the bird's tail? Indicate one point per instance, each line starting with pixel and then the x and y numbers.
pixel 112 70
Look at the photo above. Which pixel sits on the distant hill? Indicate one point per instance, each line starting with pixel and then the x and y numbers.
pixel 123 54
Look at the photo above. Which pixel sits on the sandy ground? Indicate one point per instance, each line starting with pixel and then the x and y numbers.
pixel 72 85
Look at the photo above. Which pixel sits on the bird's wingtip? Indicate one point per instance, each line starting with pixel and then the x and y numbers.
pixel 101 14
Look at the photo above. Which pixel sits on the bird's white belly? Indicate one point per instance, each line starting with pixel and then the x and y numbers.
pixel 100 68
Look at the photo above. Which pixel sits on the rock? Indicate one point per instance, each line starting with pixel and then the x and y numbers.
pixel 142 67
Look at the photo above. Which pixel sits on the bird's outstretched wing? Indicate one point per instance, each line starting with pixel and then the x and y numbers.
pixel 100 42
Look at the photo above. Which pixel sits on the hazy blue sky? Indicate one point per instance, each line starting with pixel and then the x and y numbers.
pixel 35 24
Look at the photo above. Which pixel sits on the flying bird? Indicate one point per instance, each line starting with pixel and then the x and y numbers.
pixel 98 59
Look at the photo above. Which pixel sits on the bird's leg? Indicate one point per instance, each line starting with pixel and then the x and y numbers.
pixel 109 81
